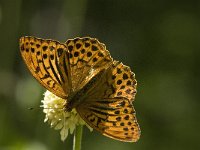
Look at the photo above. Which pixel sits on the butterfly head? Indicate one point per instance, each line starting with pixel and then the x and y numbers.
pixel 67 107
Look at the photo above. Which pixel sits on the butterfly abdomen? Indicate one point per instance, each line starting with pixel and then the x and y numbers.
pixel 77 98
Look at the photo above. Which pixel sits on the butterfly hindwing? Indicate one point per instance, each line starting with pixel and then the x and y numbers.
pixel 118 81
pixel 122 80
pixel 87 57
pixel 45 60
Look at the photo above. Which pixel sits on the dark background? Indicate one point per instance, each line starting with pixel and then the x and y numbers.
pixel 158 39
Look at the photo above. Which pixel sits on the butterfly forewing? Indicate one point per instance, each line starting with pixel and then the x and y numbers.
pixel 114 118
pixel 108 107
pixel 44 58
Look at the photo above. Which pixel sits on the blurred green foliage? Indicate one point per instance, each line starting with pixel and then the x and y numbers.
pixel 158 39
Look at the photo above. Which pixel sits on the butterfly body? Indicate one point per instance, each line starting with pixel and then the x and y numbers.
pixel 82 71
pixel 74 99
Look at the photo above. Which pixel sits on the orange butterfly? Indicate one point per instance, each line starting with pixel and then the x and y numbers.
pixel 82 71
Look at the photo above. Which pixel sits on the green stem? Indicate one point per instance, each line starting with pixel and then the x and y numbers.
pixel 77 137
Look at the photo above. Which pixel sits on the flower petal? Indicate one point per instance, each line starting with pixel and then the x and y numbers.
pixel 58 118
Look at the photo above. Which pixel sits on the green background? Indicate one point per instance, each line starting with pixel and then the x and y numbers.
pixel 158 39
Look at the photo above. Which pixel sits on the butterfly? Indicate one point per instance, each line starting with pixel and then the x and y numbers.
pixel 82 71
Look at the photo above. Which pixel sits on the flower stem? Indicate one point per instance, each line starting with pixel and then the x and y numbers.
pixel 77 137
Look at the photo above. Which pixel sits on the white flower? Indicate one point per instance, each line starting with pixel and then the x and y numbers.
pixel 53 107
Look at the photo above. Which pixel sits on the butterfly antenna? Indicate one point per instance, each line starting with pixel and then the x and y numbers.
pixel 32 108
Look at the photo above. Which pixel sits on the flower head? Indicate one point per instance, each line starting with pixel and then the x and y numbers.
pixel 53 107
